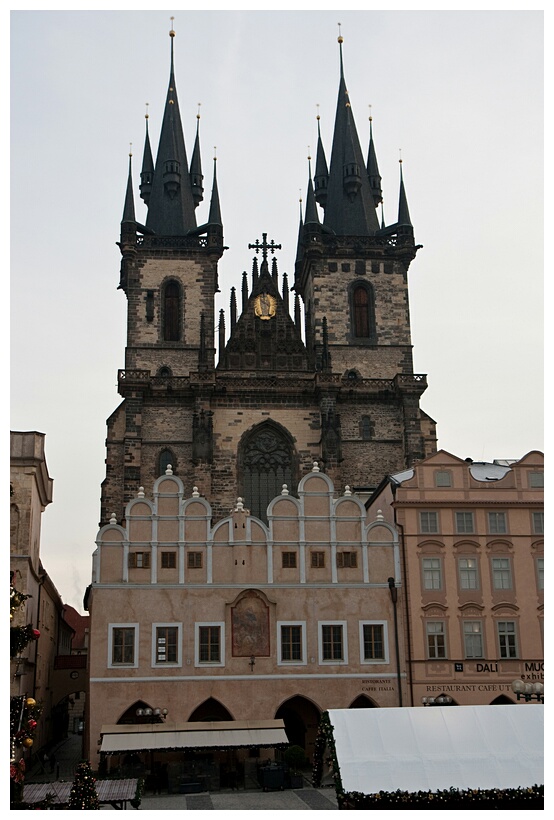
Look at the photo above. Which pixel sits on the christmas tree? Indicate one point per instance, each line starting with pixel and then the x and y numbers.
pixel 24 710
pixel 83 792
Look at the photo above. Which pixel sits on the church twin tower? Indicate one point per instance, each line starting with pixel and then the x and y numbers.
pixel 325 376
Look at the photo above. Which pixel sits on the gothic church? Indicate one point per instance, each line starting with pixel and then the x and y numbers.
pixel 320 374
pixel 237 575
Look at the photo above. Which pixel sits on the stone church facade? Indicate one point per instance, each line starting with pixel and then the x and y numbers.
pixel 236 474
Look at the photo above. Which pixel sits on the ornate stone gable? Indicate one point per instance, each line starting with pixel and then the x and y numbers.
pixel 265 336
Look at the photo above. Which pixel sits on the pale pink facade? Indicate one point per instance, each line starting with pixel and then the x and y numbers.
pixel 473 565
pixel 239 619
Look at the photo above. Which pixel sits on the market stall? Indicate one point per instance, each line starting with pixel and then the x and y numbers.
pixel 375 756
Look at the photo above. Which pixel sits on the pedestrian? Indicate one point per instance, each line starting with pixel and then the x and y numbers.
pixel 43 760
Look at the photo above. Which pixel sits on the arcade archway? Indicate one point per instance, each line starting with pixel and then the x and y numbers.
pixel 301 719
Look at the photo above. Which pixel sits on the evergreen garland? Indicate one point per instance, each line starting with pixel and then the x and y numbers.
pixel 136 801
pixel 452 799
pixel 325 741
pixel 20 636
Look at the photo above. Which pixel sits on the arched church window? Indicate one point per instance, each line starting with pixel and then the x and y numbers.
pixel 266 462
pixel 363 312
pixel 166 458
pixel 171 312
pixel 366 428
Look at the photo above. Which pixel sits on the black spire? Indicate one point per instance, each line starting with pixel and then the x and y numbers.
pixel 196 176
pixel 129 206
pixel 233 307
pixel 321 177
pixel 403 212
pixel 312 215
pixel 147 173
pixel 171 205
pixel 286 291
pixel 300 235
pixel 214 217
pixel 350 209
pixel 373 169
pixel 244 291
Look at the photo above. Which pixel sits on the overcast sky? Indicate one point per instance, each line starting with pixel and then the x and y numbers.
pixel 460 93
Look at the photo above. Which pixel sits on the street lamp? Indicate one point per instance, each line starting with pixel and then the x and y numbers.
pixel 442 700
pixel 528 691
pixel 156 715
pixel 394 600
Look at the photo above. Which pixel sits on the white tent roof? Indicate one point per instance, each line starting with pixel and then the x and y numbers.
pixel 439 747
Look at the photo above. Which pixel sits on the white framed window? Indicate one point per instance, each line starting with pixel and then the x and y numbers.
pixel 429 521
pixel 540 573
pixel 291 643
pixel 209 644
pixel 538 523
pixel 507 643
pixel 436 639
pixel 473 639
pixel 332 641
pixel 497 523
pixel 166 644
pixel 123 645
pixel 464 522
pixel 431 573
pixel 374 644
pixel 467 570
pixel 501 573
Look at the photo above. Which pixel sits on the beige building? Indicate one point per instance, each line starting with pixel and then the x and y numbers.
pixel 44 670
pixel 239 620
pixel 30 494
pixel 473 568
